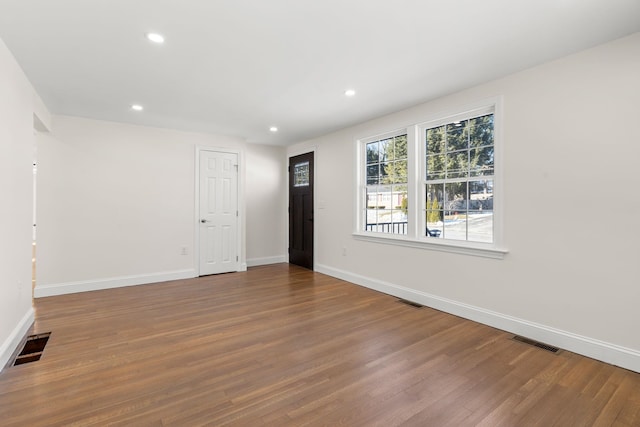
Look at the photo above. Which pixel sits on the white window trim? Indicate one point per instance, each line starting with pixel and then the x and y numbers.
pixel 495 250
pixel 360 171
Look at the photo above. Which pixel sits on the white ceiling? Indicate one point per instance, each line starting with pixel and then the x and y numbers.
pixel 237 67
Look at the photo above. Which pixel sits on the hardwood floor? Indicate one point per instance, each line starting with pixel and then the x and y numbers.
pixel 283 346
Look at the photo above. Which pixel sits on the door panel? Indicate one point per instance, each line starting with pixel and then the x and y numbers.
pixel 226 244
pixel 301 210
pixel 218 212
pixel 210 253
pixel 211 196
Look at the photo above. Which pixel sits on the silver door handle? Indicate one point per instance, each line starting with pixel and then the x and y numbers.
pixel 203 221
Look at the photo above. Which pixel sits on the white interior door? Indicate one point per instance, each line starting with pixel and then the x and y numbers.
pixel 218 212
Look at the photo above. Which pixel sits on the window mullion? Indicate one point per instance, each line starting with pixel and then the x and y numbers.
pixel 413 180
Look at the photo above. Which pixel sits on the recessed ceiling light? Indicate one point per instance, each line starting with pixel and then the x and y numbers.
pixel 349 92
pixel 273 129
pixel 155 37
pixel 137 107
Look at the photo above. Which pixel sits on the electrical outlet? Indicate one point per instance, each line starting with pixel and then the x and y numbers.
pixel 184 250
pixel 344 251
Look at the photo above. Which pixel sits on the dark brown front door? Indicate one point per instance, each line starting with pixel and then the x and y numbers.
pixel 301 210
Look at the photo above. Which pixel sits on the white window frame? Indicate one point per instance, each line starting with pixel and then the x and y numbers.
pixel 362 178
pixel 416 179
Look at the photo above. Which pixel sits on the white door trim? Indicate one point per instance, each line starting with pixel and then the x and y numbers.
pixel 242 261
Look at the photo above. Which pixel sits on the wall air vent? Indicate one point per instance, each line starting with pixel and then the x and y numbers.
pixel 411 303
pixel 543 346
pixel 32 349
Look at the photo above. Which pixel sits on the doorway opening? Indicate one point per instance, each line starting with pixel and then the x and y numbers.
pixel 218 213
pixel 301 192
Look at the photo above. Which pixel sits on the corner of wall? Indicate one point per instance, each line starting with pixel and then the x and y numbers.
pixel 8 347
pixel 41 115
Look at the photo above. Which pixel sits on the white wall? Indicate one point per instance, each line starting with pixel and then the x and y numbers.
pixel 571 154
pixel 266 188
pixel 116 203
pixel 16 202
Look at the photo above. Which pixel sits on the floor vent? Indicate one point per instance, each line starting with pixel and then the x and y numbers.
pixel 543 346
pixel 411 303
pixel 33 348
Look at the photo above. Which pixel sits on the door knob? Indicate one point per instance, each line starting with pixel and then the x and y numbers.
pixel 203 221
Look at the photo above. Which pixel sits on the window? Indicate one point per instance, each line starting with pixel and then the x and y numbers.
pixel 459 179
pixel 386 185
pixel 433 185
pixel 301 174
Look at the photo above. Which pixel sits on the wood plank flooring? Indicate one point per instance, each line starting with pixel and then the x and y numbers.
pixel 282 346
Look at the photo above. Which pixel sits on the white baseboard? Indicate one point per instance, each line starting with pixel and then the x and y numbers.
pixel 254 262
pixel 606 352
pixel 11 343
pixel 48 290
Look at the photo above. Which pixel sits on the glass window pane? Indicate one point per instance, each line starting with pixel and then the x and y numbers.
pixel 372 197
pixel 384 218
pixel 400 150
pixel 373 177
pixel 481 195
pixel 386 150
pixel 403 205
pixel 455 198
pixel 400 171
pixel 434 223
pixel 400 227
pixel 436 165
pixel 384 197
pixel 386 173
pixel 481 131
pixel 455 226
pixel 435 194
pixel 301 174
pixel 434 198
pixel 399 220
pixel 481 161
pixel 399 201
pixel 386 209
pixel 435 140
pixel 372 208
pixel 372 152
pixel 372 219
pixel 480 226
pixel 457 164
pixel 401 189
pixel 396 197
pixel 458 135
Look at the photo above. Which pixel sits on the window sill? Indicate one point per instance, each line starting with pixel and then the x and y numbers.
pixel 434 244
